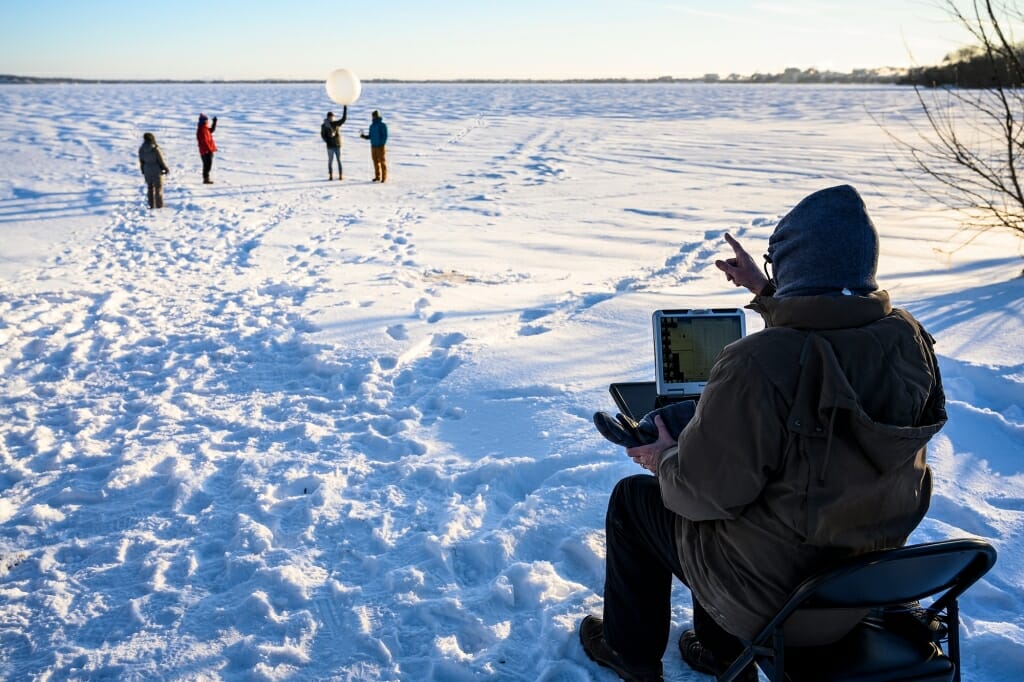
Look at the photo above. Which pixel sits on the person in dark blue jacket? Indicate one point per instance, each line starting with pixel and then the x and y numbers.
pixel 378 137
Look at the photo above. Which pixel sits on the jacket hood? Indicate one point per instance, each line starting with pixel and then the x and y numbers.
pixel 826 244
pixel 823 381
pixel 870 482
pixel 885 446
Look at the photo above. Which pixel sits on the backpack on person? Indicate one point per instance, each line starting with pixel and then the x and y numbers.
pixel 327 132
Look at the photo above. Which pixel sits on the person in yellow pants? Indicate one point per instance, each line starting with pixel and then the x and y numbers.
pixel 378 137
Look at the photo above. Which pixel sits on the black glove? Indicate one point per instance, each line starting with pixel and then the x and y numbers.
pixel 214 119
pixel 623 431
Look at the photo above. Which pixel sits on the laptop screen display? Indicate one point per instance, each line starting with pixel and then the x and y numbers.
pixel 688 342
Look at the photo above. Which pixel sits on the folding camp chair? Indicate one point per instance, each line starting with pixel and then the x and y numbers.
pixel 893 637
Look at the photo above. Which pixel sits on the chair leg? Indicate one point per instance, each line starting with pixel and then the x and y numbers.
pixel 953 634
pixel 749 656
pixel 779 673
pixel 738 666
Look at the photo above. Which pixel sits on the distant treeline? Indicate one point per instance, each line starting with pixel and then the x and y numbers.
pixel 793 75
pixel 970 67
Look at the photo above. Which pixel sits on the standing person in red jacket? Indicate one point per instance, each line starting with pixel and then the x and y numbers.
pixel 204 134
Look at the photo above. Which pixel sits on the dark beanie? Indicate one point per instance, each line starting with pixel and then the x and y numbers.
pixel 202 118
pixel 827 243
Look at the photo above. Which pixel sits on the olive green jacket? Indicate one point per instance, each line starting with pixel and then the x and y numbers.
pixel 808 445
pixel 151 162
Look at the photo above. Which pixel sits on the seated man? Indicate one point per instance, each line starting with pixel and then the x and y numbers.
pixel 808 446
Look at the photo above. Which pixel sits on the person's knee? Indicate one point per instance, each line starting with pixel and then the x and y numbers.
pixel 626 493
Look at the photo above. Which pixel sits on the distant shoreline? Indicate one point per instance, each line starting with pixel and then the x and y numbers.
pixel 868 77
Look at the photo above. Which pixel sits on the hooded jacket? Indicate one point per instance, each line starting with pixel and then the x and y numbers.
pixel 151 162
pixel 808 445
pixel 204 136
pixel 330 131
pixel 378 133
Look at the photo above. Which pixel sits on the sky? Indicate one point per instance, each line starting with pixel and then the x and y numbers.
pixel 451 39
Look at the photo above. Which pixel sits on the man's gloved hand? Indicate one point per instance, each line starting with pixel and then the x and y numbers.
pixel 675 415
pixel 623 431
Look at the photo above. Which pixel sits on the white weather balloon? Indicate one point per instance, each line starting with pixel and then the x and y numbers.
pixel 343 86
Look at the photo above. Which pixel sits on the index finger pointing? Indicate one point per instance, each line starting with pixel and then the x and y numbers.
pixel 736 246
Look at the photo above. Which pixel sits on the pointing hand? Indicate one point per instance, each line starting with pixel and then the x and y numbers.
pixel 741 270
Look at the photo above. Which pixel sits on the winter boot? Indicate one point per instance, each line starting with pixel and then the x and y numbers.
pixel 698 657
pixel 595 646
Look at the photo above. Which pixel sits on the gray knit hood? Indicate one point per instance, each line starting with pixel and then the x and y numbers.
pixel 827 243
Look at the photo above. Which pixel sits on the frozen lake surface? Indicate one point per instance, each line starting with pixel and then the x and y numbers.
pixel 293 429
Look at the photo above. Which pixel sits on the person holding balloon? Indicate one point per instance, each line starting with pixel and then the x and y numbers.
pixel 331 134
pixel 204 135
pixel 343 87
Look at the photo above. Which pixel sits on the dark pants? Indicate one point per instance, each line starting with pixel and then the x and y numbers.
pixel 641 560
pixel 155 193
pixel 207 165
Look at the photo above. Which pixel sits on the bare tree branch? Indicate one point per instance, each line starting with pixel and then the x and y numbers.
pixel 969 155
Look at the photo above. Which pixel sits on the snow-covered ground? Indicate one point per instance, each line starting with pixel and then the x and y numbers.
pixel 293 429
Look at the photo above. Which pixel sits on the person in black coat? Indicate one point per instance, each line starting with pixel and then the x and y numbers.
pixel 331 134
pixel 151 163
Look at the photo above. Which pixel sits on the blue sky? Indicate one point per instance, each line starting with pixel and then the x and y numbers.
pixel 306 39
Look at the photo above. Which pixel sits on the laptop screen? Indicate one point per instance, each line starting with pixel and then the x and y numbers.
pixel 687 343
